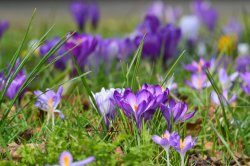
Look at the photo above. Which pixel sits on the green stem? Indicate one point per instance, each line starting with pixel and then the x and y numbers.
pixel 168 162
pixel 182 159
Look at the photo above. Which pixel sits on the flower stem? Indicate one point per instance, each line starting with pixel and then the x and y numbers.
pixel 182 159
pixel 168 162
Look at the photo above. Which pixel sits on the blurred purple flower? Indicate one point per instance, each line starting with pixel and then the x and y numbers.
pixel 157 9
pixel 66 159
pixel 226 81
pixel 245 86
pixel 125 48
pixel 182 146
pixel 224 98
pixel 79 11
pixel 190 26
pixel 82 46
pixel 242 63
pixel 140 106
pixel 170 37
pixel 163 140
pixel 4 25
pixel 48 102
pixel 48 45
pixel 152 45
pixel 106 104
pixel 94 14
pixel 176 111
pixel 198 81
pixel 197 67
pixel 150 24
pixel 233 27
pixel 206 13
pixel 172 14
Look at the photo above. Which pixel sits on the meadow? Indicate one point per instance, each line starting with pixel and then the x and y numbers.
pixel 170 88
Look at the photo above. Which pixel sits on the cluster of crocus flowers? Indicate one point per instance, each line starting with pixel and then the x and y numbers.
pixel 226 84
pixel 66 159
pixel 48 102
pixel 106 104
pixel 198 78
pixel 173 140
pixel 83 12
pixel 141 106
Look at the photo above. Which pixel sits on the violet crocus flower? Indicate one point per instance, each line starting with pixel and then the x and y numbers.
pixel 82 46
pixel 198 81
pixel 125 48
pixel 94 14
pixel 242 63
pixel 164 142
pixel 106 104
pixel 172 14
pixel 224 98
pixel 150 24
pixel 4 25
pixel 233 27
pixel 245 86
pixel 48 45
pixel 48 102
pixel 182 146
pixel 140 106
pixel 170 37
pixel 175 112
pixel 79 11
pixel 66 159
pixel 197 67
pixel 206 13
pixel 157 8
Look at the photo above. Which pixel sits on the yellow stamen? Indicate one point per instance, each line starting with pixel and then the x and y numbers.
pixel 66 160
pixel 182 144
pixel 135 107
pixel 227 43
pixel 50 103
pixel 165 136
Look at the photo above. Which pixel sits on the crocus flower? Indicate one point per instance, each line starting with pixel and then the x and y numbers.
pixel 157 8
pixel 140 106
pixel 48 45
pixel 170 37
pixel 150 24
pixel 206 13
pixel 48 102
pixel 198 81
pixel 125 48
pixel 4 25
pixel 106 105
pixel 225 79
pixel 190 26
pixel 224 98
pixel 82 46
pixel 233 27
pixel 172 14
pixel 182 146
pixel 79 11
pixel 197 67
pixel 242 63
pixel 164 142
pixel 94 14
pixel 66 159
pixel 175 112
pixel 245 86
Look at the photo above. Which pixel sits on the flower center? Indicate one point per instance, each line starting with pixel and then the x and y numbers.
pixel 135 107
pixel 165 136
pixel 50 103
pixel 66 161
pixel 182 144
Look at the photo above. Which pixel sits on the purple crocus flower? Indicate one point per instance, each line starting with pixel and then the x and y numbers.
pixel 66 159
pixel 197 67
pixel 170 37
pixel 157 9
pixel 150 24
pixel 152 45
pixel 79 11
pixel 48 102
pixel 106 104
pixel 94 14
pixel 233 27
pixel 245 86
pixel 224 98
pixel 48 45
pixel 140 106
pixel 182 146
pixel 4 25
pixel 172 14
pixel 242 63
pixel 176 111
pixel 82 46
pixel 125 48
pixel 198 81
pixel 164 142
pixel 206 13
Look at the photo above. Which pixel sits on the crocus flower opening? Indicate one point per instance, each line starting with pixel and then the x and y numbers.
pixel 142 105
pixel 182 145
pixel 198 67
pixel 4 25
pixel 48 102
pixel 106 105
pixel 245 86
pixel 175 112
pixel 79 11
pixel 66 159
pixel 198 81
pixel 94 14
